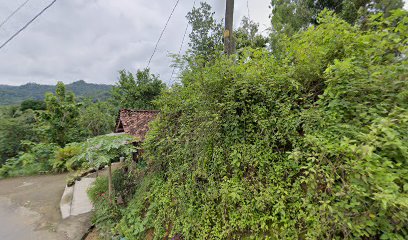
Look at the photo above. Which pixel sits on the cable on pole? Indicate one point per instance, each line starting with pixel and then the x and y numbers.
pixel 27 24
pixel 13 13
pixel 161 34
pixel 181 46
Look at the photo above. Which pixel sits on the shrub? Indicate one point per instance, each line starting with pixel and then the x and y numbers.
pixel 35 160
pixel 64 158
pixel 98 188
pixel 107 211
pixel 124 184
pixel 312 145
pixel 134 223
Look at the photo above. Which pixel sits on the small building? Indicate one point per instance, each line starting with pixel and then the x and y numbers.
pixel 135 123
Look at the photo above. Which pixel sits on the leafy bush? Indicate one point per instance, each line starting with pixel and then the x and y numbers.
pixel 95 152
pixel 15 126
pixel 124 184
pixel 103 150
pixel 35 160
pixel 106 216
pixel 32 104
pixel 312 145
pixel 98 188
pixel 137 91
pixel 65 158
pixel 134 221
pixel 97 119
pixel 107 211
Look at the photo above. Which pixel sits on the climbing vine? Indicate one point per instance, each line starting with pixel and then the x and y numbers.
pixel 312 145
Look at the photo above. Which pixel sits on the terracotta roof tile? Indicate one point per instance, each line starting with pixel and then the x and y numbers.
pixel 135 122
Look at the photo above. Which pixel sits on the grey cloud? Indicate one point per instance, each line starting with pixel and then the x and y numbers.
pixel 93 39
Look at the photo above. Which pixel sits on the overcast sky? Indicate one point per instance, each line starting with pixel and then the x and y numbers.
pixel 93 39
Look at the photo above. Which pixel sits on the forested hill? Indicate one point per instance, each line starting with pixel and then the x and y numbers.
pixel 17 94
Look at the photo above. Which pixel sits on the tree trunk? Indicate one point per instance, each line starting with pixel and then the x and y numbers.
pixel 110 180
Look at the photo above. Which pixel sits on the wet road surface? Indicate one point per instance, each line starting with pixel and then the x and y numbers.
pixel 29 209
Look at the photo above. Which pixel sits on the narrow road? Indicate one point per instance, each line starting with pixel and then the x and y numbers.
pixel 29 210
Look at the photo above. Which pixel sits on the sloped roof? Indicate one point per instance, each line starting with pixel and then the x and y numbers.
pixel 135 122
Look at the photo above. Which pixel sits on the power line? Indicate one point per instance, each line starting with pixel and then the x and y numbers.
pixel 249 16
pixel 181 46
pixel 27 24
pixel 13 13
pixel 161 35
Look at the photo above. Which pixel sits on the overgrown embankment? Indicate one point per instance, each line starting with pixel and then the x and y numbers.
pixel 308 145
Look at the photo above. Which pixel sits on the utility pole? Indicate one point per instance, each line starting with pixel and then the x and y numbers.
pixel 229 43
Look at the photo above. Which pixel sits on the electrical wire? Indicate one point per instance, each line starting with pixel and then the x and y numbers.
pixel 161 34
pixel 27 24
pixel 13 13
pixel 181 47
pixel 249 16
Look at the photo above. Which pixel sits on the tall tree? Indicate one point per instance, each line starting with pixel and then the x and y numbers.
pixel 289 16
pixel 137 91
pixel 247 35
pixel 97 118
pixel 59 120
pixel 15 127
pixel 206 34
pixel 32 104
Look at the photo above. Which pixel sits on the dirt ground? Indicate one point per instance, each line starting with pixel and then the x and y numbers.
pixel 29 209
pixel 93 235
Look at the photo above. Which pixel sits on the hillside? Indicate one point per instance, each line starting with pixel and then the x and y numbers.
pixel 17 94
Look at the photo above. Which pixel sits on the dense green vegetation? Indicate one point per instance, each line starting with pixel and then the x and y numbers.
pixel 137 91
pixel 51 136
pixel 15 126
pixel 307 144
pixel 299 135
pixel 10 95
pixel 290 16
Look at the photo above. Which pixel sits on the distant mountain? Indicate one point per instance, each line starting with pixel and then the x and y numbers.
pixel 17 94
